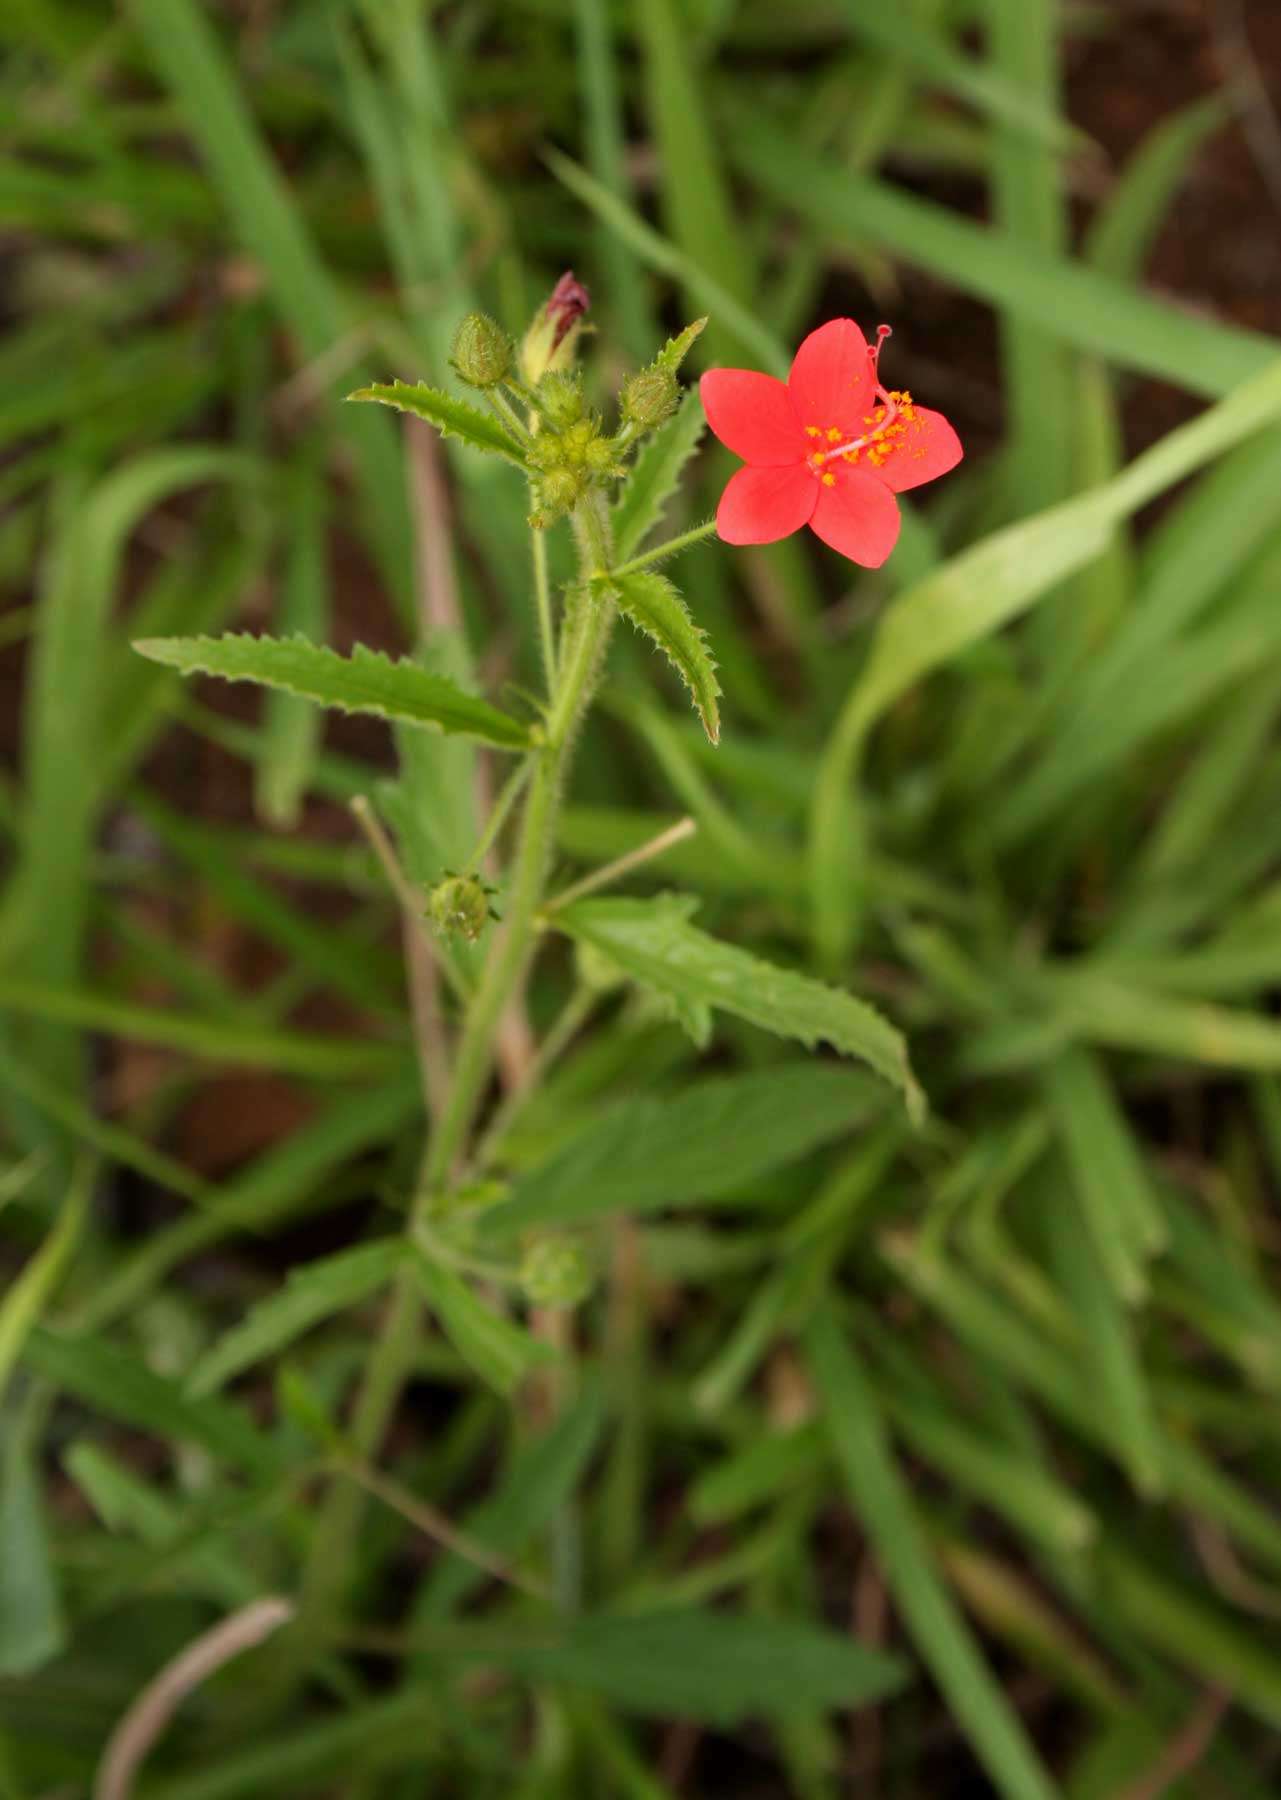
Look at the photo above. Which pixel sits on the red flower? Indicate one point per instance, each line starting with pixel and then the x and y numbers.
pixel 828 448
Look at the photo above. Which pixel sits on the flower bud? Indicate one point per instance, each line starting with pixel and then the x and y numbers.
pixel 482 352
pixel 601 457
pixel 555 1272
pixel 648 397
pixel 560 490
pixel 552 339
pixel 560 397
pixel 458 906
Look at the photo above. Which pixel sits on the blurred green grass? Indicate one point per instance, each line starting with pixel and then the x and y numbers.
pixel 1003 1394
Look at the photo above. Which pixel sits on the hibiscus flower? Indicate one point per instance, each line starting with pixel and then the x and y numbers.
pixel 828 448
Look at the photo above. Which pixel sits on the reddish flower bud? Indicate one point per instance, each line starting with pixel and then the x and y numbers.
pixel 569 301
pixel 552 339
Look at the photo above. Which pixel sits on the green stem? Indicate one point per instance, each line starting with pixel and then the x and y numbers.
pixel 673 545
pixel 569 1021
pixel 507 798
pixel 543 598
pixel 508 414
pixel 587 632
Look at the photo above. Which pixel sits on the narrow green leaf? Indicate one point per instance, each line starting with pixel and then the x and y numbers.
pixel 654 606
pixel 29 1292
pixel 1006 102
pixel 1193 1631
pixel 325 1059
pixel 1077 303
pixel 654 942
pixel 1122 1213
pixel 693 191
pixel 401 1732
pixel 1010 1607
pixel 1010 1483
pixel 451 417
pixel 499 1352
pixel 1129 1017
pixel 1029 210
pixel 661 254
pixel 974 595
pixel 540 1477
pixel 713 1666
pixel 756 1475
pixel 312 1293
pixel 656 475
pixel 182 39
pixel 600 96
pixel 367 681
pixel 119 1385
pixel 132 1505
pixel 31 1623
pixel 717 1137
pixel 1123 231
pixel 1109 1349
pixel 885 1508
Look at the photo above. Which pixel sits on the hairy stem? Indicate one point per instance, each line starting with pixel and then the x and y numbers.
pixel 586 634
pixel 660 552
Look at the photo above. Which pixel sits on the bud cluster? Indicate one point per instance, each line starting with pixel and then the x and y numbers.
pixel 566 448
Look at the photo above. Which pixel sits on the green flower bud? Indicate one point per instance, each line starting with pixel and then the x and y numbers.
pixel 482 352
pixel 649 397
pixel 561 397
pixel 560 490
pixel 600 457
pixel 458 906
pixel 555 1272
pixel 577 440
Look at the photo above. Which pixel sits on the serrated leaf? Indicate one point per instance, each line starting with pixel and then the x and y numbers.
pixel 112 1382
pixel 717 1138
pixel 715 1666
pixel 655 942
pixel 656 475
pixel 367 681
pixel 501 1353
pixel 311 1294
pixel 451 417
pixel 675 350
pixel 654 606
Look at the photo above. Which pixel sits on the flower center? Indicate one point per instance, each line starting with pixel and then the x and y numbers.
pixel 888 421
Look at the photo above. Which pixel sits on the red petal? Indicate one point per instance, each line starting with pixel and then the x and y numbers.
pixel 752 416
pixel 831 380
pixel 929 449
pixel 859 517
pixel 761 505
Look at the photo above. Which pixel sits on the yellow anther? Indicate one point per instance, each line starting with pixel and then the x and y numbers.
pixel 834 434
pixel 828 480
pixel 812 431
